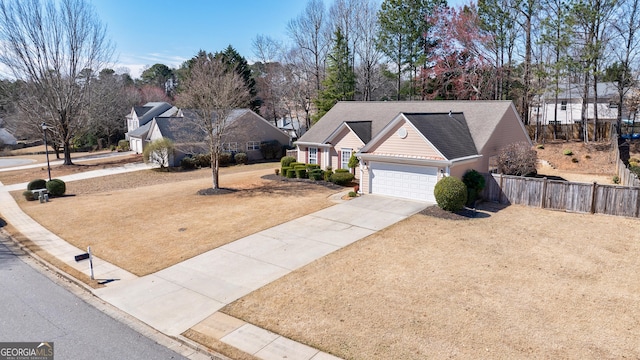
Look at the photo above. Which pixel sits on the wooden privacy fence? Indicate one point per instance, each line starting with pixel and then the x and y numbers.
pixel 626 176
pixel 563 195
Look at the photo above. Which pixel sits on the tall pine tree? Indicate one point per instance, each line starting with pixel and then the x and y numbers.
pixel 340 83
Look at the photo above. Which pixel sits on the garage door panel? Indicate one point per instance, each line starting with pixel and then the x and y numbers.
pixel 405 181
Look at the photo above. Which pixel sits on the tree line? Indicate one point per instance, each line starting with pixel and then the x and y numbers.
pixel 369 50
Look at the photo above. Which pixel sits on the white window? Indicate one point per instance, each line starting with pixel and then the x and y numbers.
pixel 230 147
pixel 313 155
pixel 345 155
pixel 253 145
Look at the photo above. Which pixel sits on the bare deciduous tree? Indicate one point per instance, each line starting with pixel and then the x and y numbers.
pixel 212 91
pixel 53 47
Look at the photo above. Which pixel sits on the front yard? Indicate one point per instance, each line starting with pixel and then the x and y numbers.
pixel 144 228
pixel 518 283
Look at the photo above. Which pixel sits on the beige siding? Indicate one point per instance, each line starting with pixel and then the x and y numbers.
pixel 508 131
pixel 413 145
pixel 366 189
pixel 302 154
pixel 458 171
pixel 347 139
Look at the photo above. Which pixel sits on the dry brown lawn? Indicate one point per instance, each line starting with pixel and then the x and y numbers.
pixel 518 283
pixel 146 221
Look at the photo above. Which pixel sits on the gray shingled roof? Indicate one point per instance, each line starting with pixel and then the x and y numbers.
pixel 482 117
pixel 141 131
pixel 449 133
pixel 362 129
pixel 180 130
pixel 156 109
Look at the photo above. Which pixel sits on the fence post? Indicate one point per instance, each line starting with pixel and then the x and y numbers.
pixel 593 197
pixel 544 192
pixel 501 192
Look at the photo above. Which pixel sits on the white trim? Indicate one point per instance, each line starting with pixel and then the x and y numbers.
pixel 315 155
pixel 348 151
pixel 307 144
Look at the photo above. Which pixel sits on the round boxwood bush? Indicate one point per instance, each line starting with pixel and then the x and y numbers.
pixel 341 178
pixel 37 184
pixel 316 174
pixel 202 160
pixel 224 159
pixel 450 193
pixel 286 161
pixel 188 163
pixel 241 158
pixel 56 187
pixel 28 195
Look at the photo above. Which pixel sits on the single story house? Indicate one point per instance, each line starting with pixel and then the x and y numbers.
pixel 245 131
pixel 405 147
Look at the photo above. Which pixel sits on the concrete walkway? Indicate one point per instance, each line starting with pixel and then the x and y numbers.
pixel 189 294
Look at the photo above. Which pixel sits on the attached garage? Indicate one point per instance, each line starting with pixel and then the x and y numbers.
pixel 404 181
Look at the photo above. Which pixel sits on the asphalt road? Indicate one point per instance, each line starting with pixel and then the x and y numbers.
pixel 34 308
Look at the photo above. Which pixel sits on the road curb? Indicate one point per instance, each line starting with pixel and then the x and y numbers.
pixel 19 249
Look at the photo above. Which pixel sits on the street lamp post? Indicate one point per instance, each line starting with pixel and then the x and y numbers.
pixel 46 151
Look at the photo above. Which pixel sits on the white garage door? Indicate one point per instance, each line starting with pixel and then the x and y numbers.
pixel 405 181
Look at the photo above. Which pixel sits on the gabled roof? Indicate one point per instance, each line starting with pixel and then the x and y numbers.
pixel 449 133
pixel 362 129
pixel 141 131
pixel 180 130
pixel 482 117
pixel 151 110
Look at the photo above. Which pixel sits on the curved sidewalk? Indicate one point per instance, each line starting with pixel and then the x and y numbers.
pixel 189 294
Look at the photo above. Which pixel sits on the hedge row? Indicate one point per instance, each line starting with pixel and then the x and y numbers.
pixel 290 168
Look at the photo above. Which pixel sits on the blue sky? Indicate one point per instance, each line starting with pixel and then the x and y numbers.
pixel 146 32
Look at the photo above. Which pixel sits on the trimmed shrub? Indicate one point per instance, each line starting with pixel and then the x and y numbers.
pixel 28 195
pixel 353 194
pixel 291 173
pixel 341 178
pixel 540 146
pixel 37 184
pixel 202 160
pixel 342 171
pixel 474 181
pixel 574 160
pixel 616 179
pixel 123 145
pixel 301 171
pixel 316 174
pixel 241 158
pixel 450 193
pixel 188 163
pixel 327 174
pixel 286 161
pixel 56 187
pixel 284 170
pixel 567 152
pixel 224 159
pixel 312 167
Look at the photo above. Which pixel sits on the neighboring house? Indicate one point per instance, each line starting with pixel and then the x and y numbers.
pixel 6 138
pixel 406 147
pixel 139 118
pixel 245 131
pixel 294 127
pixel 569 105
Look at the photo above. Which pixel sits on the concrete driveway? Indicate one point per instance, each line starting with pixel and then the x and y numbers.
pixel 176 298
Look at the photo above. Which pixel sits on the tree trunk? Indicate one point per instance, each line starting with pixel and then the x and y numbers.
pixel 67 153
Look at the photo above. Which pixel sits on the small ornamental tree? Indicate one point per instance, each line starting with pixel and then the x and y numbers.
pixel 450 193
pixel 475 184
pixel 518 159
pixel 159 152
pixel 353 162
